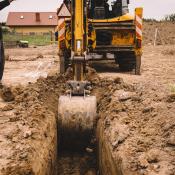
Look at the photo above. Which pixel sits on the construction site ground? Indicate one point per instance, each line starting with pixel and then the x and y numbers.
pixel 136 126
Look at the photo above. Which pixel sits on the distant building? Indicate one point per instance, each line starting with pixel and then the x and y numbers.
pixel 32 22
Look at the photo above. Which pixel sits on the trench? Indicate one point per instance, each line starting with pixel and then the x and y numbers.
pixel 51 157
pixel 96 157
pixel 78 156
pixel 98 162
pixel 94 160
pixel 77 163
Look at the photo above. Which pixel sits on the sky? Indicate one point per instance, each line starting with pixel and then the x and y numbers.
pixel 152 8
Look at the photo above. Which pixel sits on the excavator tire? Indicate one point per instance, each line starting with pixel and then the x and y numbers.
pixel 126 61
pixel 76 120
pixel 2 60
pixel 138 65
pixel 65 55
pixel 64 61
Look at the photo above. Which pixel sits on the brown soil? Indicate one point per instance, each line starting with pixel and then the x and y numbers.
pixel 29 131
pixel 139 123
pixel 165 35
pixel 136 117
pixel 25 65
pixel 26 124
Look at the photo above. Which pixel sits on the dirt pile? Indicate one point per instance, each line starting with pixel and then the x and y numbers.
pixel 139 129
pixel 28 127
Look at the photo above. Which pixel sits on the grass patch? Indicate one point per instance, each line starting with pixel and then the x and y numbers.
pixel 172 88
pixel 37 40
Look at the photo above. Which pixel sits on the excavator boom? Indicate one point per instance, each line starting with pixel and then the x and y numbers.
pixel 77 109
pixel 94 29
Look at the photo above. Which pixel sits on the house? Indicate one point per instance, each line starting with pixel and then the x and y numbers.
pixel 32 22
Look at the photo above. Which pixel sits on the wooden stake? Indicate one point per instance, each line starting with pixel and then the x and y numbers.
pixel 155 37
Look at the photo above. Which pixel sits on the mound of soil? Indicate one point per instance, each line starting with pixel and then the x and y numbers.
pixel 28 129
pixel 139 130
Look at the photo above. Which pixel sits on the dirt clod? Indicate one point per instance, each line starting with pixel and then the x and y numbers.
pixel 171 98
pixel 7 94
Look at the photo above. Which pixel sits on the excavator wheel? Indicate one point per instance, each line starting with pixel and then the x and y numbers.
pixel 64 60
pixel 76 120
pixel 126 66
pixel 138 65
pixel 2 60
pixel 126 61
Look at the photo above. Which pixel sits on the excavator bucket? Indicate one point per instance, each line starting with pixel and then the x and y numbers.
pixel 76 120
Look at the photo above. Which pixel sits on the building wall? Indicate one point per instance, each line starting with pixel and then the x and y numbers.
pixel 33 29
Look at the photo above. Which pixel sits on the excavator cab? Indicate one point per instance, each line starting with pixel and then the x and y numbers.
pixel 107 9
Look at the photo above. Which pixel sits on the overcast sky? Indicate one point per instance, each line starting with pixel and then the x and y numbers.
pixel 152 8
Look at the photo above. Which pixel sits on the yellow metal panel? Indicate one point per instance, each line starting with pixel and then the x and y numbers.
pixel 126 17
pixel 79 31
pixel 139 11
pixel 92 38
pixel 122 38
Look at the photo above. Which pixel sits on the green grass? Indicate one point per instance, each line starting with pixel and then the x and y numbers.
pixel 172 88
pixel 37 40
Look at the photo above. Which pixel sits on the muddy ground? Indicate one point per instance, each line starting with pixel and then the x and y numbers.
pixel 136 115
pixel 25 65
pixel 140 124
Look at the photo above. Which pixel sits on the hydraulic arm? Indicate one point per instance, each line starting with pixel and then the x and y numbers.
pixel 79 40
pixel 94 30
pixel 77 110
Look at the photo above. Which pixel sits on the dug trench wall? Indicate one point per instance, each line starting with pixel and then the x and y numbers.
pixel 29 146
pixel 130 142
pixel 136 130
pixel 29 128
pixel 110 131
pixel 29 135
pixel 107 164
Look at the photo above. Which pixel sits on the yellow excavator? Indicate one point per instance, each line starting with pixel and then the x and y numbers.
pixel 94 29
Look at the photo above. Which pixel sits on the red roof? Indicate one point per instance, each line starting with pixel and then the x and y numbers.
pixel 32 19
